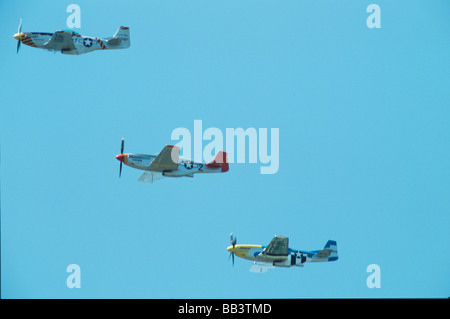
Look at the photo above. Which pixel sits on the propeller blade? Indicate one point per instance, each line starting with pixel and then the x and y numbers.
pixel 232 239
pixel 19 32
pixel 233 243
pixel 232 258
pixel 121 152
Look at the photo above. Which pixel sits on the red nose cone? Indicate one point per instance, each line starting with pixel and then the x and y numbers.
pixel 120 157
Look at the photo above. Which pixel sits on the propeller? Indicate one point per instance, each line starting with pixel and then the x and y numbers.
pixel 121 152
pixel 19 32
pixel 233 243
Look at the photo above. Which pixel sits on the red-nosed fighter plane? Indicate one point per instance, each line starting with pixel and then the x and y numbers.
pixel 169 163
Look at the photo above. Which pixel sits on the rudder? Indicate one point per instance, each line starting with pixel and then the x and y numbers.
pixel 332 245
pixel 121 38
pixel 220 161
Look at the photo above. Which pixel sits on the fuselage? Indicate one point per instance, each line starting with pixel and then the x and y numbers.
pixel 186 167
pixel 294 257
pixel 82 44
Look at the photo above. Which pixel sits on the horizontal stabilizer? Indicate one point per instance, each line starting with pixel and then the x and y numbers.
pixel 328 252
pixel 324 253
pixel 114 41
pixel 220 161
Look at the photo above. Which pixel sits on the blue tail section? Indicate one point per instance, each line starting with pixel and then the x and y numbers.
pixel 332 245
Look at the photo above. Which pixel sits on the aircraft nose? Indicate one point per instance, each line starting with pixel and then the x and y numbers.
pixel 120 157
pixel 230 249
pixel 17 36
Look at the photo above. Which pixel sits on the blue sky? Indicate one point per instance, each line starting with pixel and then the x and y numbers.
pixel 363 116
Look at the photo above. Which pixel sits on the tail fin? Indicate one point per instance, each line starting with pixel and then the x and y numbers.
pixel 120 40
pixel 332 245
pixel 220 161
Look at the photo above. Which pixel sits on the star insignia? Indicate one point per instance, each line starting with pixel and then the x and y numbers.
pixel 87 42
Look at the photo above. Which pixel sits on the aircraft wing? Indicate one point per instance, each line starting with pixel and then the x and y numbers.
pixel 150 177
pixel 277 247
pixel 261 267
pixel 61 40
pixel 167 160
